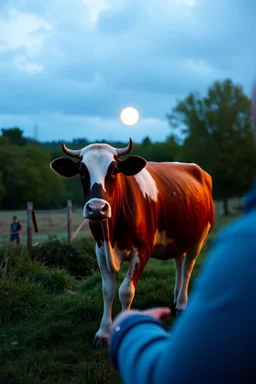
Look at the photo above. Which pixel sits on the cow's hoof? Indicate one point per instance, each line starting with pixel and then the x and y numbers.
pixel 100 342
pixel 178 312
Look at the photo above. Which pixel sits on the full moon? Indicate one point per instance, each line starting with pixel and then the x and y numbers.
pixel 129 116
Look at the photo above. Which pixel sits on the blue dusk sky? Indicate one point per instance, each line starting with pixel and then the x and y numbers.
pixel 70 66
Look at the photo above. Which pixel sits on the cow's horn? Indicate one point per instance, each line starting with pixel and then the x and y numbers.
pixel 126 150
pixel 70 152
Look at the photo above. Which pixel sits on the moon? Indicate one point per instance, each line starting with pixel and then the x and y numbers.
pixel 129 116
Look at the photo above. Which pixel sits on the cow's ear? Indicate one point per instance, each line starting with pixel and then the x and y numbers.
pixel 65 167
pixel 132 165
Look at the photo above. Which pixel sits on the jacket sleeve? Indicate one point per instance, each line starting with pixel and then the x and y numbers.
pixel 213 340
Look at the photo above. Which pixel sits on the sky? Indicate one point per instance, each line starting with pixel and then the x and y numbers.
pixel 68 67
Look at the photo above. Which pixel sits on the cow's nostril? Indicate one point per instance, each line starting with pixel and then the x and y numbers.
pixel 97 210
pixel 89 208
pixel 105 208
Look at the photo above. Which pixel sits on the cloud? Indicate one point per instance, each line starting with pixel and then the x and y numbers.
pixel 22 30
pixel 95 8
pixel 74 64
pixel 22 64
pixel 117 21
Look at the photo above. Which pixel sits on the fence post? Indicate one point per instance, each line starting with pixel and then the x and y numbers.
pixel 69 214
pixel 29 224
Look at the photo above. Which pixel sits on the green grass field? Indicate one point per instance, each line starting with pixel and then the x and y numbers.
pixel 48 319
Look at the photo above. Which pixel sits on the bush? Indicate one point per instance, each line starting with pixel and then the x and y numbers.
pixel 77 257
pixel 51 280
pixel 14 261
pixel 16 265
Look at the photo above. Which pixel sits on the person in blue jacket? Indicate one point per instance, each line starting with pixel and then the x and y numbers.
pixel 15 230
pixel 214 341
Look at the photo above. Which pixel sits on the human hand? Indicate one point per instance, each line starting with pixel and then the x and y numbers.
pixel 157 313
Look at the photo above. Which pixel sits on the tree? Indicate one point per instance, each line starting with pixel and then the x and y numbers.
pixel 14 136
pixel 26 176
pixel 146 141
pixel 157 151
pixel 2 188
pixel 218 137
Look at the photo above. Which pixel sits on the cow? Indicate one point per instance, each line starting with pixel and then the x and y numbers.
pixel 137 210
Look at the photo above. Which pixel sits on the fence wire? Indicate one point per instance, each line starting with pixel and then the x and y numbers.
pixel 51 224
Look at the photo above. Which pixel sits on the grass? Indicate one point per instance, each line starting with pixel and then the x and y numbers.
pixel 48 319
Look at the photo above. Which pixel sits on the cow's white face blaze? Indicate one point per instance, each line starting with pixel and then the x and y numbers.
pixel 97 162
pixel 99 166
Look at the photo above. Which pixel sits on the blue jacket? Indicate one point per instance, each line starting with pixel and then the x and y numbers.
pixel 214 341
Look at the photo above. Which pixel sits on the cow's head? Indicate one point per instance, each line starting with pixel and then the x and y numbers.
pixel 99 167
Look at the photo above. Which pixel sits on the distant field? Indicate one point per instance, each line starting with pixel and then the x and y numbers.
pixel 54 223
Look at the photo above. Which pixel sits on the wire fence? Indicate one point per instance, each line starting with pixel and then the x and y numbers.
pixel 50 224
pixel 54 223
pixel 235 206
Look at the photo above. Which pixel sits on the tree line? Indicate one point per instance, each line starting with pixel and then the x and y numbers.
pixel 213 131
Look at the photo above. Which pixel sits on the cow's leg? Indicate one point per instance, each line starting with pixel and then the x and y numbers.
pixel 187 268
pixel 138 261
pixel 127 288
pixel 108 290
pixel 178 261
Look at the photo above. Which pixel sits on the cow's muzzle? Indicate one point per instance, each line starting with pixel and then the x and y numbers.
pixel 97 210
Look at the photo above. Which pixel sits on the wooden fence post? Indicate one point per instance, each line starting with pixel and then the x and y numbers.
pixel 69 217
pixel 29 224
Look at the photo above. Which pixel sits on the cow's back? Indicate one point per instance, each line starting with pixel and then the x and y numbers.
pixel 185 205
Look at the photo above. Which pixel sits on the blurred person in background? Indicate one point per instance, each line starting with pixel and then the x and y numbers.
pixel 15 230
pixel 214 340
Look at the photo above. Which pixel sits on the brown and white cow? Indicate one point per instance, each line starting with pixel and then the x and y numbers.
pixel 137 210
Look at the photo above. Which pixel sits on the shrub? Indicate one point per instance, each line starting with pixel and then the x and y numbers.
pixel 77 257
pixel 51 280
pixel 16 265
pixel 14 261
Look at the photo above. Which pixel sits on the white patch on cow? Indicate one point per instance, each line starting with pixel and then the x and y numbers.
pixel 114 256
pixel 147 184
pixel 178 262
pixel 127 288
pixel 108 282
pixel 161 238
pixel 97 162
pixel 108 290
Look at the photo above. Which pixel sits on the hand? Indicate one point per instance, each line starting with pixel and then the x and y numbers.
pixel 157 313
